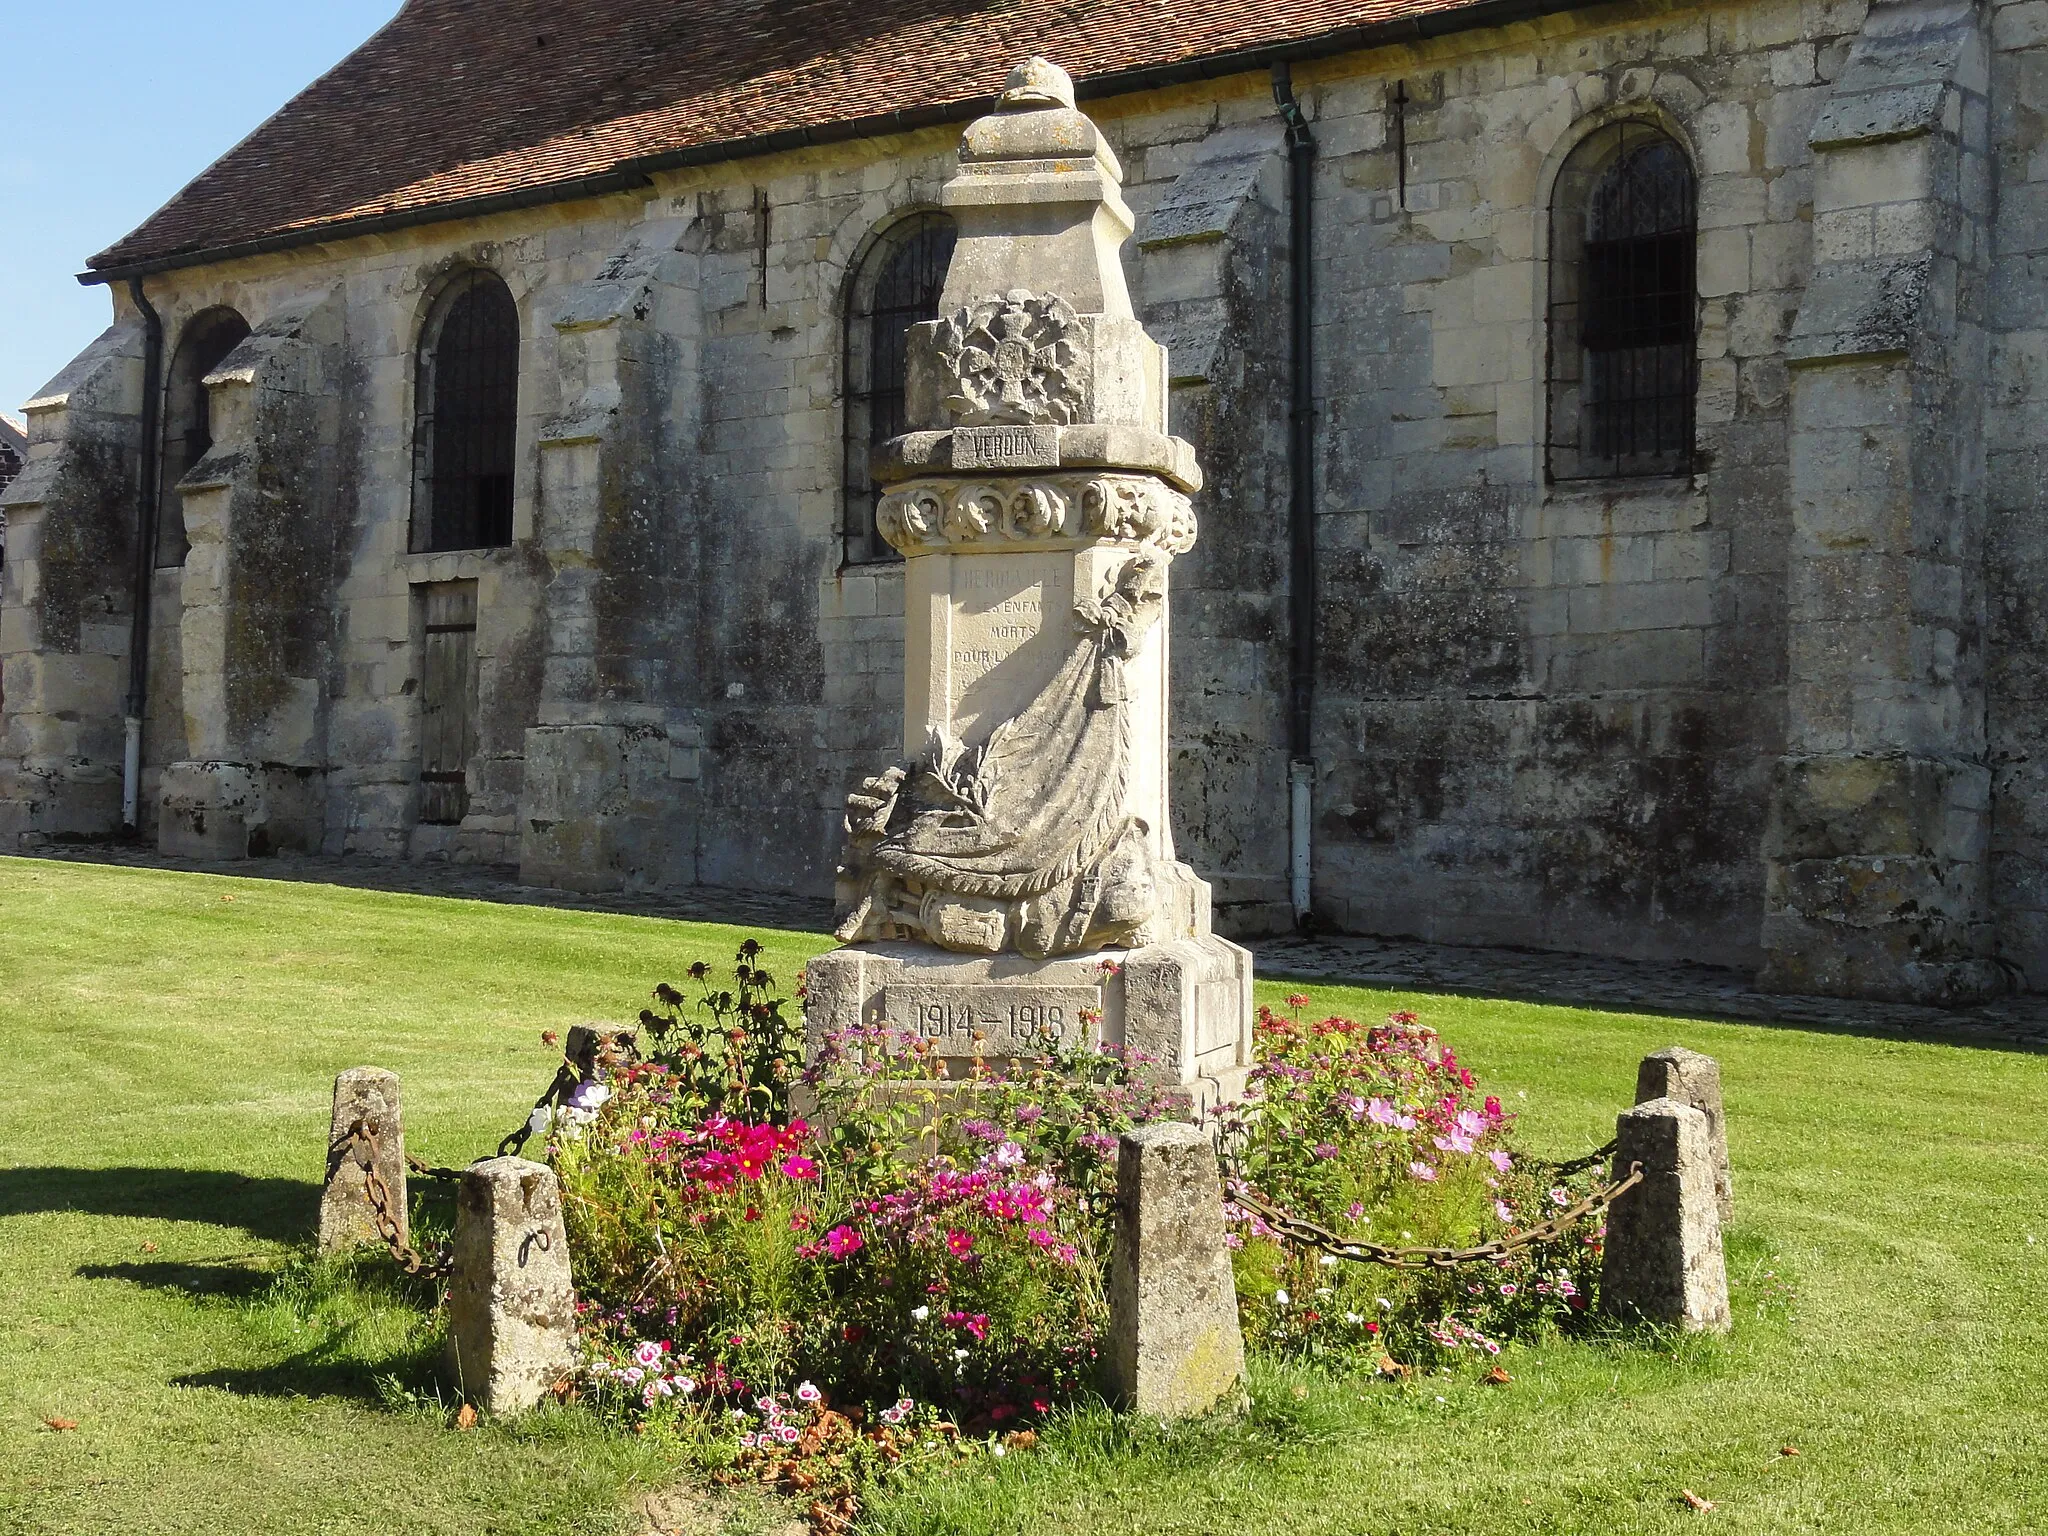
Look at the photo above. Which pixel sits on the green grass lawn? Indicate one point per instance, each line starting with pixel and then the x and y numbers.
pixel 171 1044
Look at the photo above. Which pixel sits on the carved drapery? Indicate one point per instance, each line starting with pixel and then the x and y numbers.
pixel 1023 843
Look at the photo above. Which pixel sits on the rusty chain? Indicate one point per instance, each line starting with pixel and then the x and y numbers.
pixel 1307 1234
pixel 566 1078
pixel 1578 1164
pixel 360 1145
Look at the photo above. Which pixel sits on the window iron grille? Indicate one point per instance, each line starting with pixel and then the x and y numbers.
pixel 897 287
pixel 1624 308
pixel 466 430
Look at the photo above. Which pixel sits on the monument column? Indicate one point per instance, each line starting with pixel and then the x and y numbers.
pixel 1039 503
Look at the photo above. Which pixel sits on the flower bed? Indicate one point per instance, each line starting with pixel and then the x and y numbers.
pixel 916 1264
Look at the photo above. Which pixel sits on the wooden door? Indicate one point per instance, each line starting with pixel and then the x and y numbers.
pixel 447 701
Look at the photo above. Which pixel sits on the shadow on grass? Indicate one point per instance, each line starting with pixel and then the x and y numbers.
pixel 320 1372
pixel 276 1210
pixel 232 1281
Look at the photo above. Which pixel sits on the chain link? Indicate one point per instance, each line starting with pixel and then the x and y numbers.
pixel 566 1079
pixel 1307 1234
pixel 360 1145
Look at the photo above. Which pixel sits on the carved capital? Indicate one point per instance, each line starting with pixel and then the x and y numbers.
pixel 928 515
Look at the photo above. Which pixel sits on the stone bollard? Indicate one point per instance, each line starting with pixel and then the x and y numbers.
pixel 1174 1349
pixel 1690 1078
pixel 346 1216
pixel 1663 1259
pixel 511 1310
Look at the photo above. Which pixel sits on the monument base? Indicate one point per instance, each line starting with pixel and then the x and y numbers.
pixel 1186 1005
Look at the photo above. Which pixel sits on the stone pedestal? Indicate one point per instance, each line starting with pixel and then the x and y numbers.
pixel 1039 502
pixel 511 1308
pixel 1187 1005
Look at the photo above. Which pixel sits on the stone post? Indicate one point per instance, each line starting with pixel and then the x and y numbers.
pixel 1174 1349
pixel 346 1215
pixel 1039 502
pixel 1663 1260
pixel 1690 1078
pixel 511 1309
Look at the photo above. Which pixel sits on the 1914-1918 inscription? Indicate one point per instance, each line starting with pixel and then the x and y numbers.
pixel 994 1020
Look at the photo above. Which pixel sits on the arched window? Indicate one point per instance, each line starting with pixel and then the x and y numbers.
pixel 1623 307
pixel 897 286
pixel 466 416
pixel 208 338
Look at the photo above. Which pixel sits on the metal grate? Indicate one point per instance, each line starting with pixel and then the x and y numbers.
pixel 1624 307
pixel 469 414
pixel 898 287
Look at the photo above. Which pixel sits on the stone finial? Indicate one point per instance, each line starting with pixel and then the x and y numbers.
pixel 511 1308
pixel 1035 85
pixel 1663 1259
pixel 347 1217
pixel 1175 1349
pixel 1690 1078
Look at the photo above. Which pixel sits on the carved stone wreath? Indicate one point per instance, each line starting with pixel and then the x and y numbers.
pixel 1015 359
pixel 1130 509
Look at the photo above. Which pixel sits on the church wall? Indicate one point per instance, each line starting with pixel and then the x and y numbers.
pixel 1546 715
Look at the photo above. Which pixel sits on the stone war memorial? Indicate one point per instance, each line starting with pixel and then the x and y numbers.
pixel 1013 879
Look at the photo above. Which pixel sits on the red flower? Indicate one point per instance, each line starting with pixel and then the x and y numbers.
pixel 959 1243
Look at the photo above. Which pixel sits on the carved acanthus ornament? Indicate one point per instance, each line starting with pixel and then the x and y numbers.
pixel 1130 509
pixel 1015 359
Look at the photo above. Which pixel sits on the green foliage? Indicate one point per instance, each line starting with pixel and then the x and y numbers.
pixel 729 1050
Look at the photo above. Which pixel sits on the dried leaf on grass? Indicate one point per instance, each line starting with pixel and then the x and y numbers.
pixel 60 1425
pixel 465 1417
pixel 1788 1450
pixel 1498 1377
pixel 1694 1502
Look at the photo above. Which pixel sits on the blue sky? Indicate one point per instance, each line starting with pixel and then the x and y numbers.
pixel 106 110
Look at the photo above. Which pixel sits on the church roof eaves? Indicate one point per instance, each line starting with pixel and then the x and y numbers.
pixel 265 194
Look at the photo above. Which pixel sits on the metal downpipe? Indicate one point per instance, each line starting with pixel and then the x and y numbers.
pixel 148 506
pixel 1301 512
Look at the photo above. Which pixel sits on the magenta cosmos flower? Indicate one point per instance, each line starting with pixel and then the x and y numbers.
pixel 843 1242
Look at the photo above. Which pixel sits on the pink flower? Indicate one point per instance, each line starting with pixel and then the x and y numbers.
pixel 842 1242
pixel 1560 1196
pixel 794 1167
pixel 1457 1141
pixel 1500 1160
pixel 1381 1112
pixel 648 1355
pixel 1503 1210
pixel 1009 1155
pixel 959 1243
pixel 1422 1171
pixel 810 1394
pixel 1471 1124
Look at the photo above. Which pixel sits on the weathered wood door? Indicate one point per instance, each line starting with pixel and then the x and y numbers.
pixel 447 701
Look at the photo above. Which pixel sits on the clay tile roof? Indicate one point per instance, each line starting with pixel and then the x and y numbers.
pixel 458 102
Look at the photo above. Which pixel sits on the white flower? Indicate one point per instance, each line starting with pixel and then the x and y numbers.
pixel 1009 1155
pixel 959 1354
pixel 1324 1290
pixel 1328 1261
pixel 685 1385
pixel 1353 1318
pixel 1280 1298
pixel 920 1313
pixel 996 1448
pixel 808 1393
